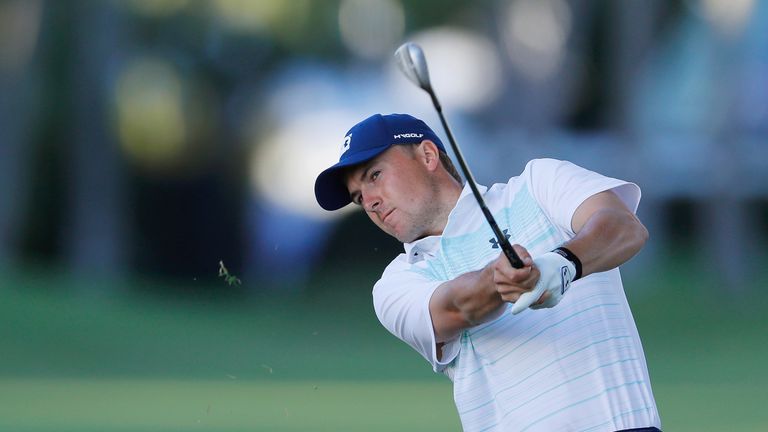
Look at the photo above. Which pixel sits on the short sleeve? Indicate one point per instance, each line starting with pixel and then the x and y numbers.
pixel 561 186
pixel 401 301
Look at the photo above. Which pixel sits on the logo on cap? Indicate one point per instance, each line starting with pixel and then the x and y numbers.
pixel 408 135
pixel 347 142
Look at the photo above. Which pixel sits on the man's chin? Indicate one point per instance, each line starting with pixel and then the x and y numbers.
pixel 408 238
pixel 402 238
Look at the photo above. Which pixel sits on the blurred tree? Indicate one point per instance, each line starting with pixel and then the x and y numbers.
pixel 95 232
pixel 19 29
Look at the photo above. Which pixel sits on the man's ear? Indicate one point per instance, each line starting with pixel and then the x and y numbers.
pixel 429 154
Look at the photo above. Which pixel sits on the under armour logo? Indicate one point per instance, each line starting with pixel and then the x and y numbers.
pixel 495 242
pixel 565 279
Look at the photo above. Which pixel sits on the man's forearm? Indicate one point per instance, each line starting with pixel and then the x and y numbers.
pixel 464 302
pixel 609 238
pixel 476 297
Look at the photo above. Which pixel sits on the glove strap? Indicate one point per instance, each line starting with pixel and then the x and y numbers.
pixel 570 256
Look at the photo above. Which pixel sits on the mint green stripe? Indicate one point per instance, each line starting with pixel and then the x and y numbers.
pixel 550 327
pixel 645 408
pixel 538 334
pixel 548 365
pixel 549 389
pixel 581 402
pixel 479 331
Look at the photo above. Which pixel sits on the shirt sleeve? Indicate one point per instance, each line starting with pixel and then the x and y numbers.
pixel 401 301
pixel 561 186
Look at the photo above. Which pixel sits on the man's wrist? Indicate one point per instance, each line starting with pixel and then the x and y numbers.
pixel 570 256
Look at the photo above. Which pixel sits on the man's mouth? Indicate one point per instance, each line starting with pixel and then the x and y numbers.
pixel 386 216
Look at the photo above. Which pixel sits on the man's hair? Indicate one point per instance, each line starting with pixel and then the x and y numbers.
pixel 445 160
pixel 448 165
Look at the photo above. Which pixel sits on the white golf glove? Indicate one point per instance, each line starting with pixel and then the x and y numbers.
pixel 557 273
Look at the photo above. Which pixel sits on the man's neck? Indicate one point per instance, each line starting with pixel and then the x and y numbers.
pixel 450 197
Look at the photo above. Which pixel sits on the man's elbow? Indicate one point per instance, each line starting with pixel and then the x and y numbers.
pixel 644 236
pixel 639 236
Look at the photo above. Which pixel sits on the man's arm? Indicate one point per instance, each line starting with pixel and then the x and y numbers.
pixel 608 234
pixel 473 298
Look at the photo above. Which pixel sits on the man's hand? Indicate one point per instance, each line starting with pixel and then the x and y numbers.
pixel 512 283
pixel 557 273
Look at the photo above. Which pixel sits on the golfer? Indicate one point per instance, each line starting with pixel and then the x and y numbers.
pixel 551 346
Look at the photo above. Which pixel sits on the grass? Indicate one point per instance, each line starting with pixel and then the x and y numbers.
pixel 317 405
pixel 232 405
pixel 73 360
pixel 705 406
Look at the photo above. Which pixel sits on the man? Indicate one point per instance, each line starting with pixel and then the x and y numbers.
pixel 573 360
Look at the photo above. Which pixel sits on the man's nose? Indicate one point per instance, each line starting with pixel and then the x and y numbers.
pixel 371 202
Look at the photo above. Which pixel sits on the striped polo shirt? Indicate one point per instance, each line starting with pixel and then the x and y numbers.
pixel 576 367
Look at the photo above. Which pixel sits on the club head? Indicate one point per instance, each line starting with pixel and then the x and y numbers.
pixel 411 61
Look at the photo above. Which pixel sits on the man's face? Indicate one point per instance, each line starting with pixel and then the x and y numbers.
pixel 397 192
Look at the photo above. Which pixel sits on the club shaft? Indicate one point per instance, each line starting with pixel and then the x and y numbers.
pixel 506 247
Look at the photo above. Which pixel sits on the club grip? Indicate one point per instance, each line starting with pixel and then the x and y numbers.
pixel 510 253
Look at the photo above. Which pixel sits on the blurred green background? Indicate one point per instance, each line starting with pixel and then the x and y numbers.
pixel 144 141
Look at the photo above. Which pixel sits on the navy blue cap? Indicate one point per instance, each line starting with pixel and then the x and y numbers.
pixel 363 142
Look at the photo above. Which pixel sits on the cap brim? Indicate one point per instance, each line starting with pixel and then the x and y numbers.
pixel 330 186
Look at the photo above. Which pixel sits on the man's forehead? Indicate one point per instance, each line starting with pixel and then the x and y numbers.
pixel 352 174
pixel 356 170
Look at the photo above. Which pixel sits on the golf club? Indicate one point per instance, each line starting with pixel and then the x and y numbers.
pixel 411 61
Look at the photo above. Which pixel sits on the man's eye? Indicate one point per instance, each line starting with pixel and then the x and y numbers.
pixel 375 174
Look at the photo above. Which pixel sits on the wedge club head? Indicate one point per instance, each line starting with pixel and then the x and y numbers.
pixel 411 61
